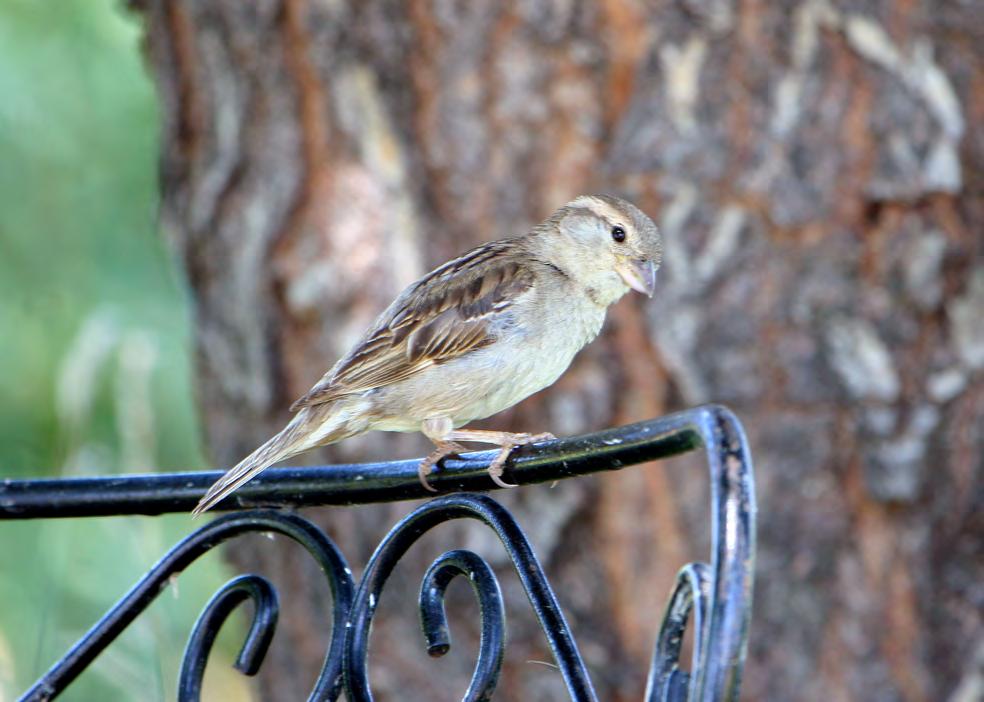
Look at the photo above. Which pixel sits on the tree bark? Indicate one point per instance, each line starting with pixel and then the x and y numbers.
pixel 817 179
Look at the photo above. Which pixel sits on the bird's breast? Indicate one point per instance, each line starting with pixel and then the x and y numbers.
pixel 532 349
pixel 530 357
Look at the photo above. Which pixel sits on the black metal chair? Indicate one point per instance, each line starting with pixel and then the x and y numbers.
pixel 717 595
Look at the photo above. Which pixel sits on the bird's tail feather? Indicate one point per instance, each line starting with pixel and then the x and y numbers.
pixel 292 439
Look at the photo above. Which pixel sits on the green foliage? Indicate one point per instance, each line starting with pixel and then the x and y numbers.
pixel 94 343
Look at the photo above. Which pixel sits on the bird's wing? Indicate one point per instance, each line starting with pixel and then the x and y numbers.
pixel 445 315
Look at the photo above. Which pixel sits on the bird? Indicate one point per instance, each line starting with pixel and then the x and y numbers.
pixel 472 338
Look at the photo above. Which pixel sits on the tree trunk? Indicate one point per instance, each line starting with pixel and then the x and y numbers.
pixel 814 173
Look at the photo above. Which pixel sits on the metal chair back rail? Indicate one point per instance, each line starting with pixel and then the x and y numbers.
pixel 716 596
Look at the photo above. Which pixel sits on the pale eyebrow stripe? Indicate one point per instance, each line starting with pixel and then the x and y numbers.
pixel 599 207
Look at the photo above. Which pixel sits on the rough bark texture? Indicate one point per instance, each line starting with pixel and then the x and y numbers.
pixel 816 168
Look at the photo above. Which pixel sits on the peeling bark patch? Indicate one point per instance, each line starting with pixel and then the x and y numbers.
pixel 681 69
pixel 915 164
pixel 861 360
pixel 966 315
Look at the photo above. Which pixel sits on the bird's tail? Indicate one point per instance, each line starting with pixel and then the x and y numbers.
pixel 303 432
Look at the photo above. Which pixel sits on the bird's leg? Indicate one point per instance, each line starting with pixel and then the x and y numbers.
pixel 505 439
pixel 440 430
pixel 437 430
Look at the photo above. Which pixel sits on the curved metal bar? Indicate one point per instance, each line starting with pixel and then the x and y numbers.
pixel 717 673
pixel 434 620
pixel 266 610
pixel 732 555
pixel 411 528
pixel 667 683
pixel 305 533
pixel 361 483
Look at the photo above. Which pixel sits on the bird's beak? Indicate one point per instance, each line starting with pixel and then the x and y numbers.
pixel 638 274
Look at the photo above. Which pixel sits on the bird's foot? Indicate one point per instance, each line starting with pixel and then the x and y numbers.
pixel 497 466
pixel 426 467
pixel 523 439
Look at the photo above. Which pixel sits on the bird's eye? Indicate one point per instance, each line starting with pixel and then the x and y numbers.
pixel 618 234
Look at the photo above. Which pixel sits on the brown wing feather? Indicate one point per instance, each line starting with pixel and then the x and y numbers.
pixel 445 315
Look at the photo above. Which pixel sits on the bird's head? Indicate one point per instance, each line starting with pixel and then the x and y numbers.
pixel 607 244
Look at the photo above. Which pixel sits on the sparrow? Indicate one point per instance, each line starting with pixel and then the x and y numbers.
pixel 474 337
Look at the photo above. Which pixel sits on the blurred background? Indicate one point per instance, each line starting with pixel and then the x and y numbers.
pixel 203 203
pixel 94 345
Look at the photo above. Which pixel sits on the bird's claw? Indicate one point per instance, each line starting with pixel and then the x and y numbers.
pixel 516 440
pixel 423 471
pixel 498 463
pixel 426 466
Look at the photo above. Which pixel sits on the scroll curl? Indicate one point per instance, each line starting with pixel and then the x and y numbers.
pixel 531 575
pixel 667 683
pixel 192 547
pixel 266 610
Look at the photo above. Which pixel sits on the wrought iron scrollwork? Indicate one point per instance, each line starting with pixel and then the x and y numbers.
pixel 434 622
pixel 266 608
pixel 321 548
pixel 667 683
pixel 531 575
pixel 713 599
